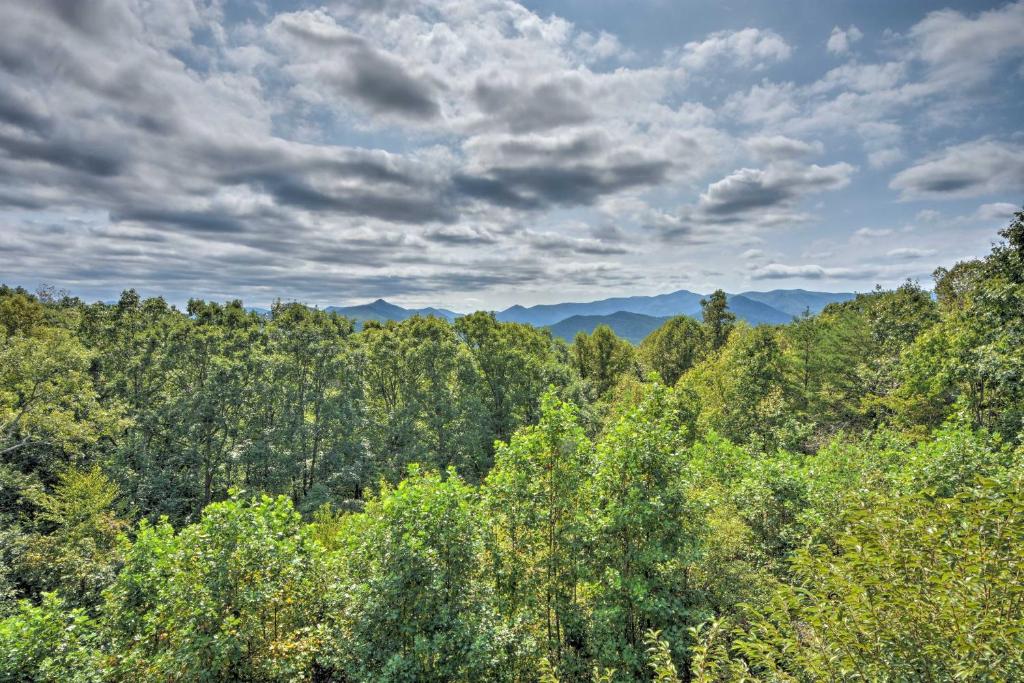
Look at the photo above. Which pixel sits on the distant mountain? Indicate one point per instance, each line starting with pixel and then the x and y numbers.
pixel 755 312
pixel 381 311
pixel 796 301
pixel 757 308
pixel 682 302
pixel 630 326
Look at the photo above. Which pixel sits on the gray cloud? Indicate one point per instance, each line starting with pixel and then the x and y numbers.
pixel 460 235
pixel 171 146
pixel 213 222
pixel 355 69
pixel 538 187
pixel 384 85
pixel 908 253
pixel 967 170
pixel 535 107
pixel 964 50
pixel 749 189
pixel 779 271
pixel 552 242
pixel 780 147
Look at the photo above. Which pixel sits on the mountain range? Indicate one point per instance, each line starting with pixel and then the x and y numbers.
pixel 632 317
pixel 381 310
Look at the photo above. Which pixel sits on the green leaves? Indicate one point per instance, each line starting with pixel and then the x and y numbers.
pixel 919 588
pixel 235 596
pixel 411 596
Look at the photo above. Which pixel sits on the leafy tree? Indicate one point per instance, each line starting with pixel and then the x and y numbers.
pixel 49 643
pixel 601 357
pixel 743 390
pixel 536 502
pixel 644 533
pixel 78 546
pixel 517 363
pixel 413 597
pixel 879 326
pixel 48 404
pixel 919 588
pixel 424 396
pixel 718 320
pixel 972 358
pixel 309 421
pixel 673 348
pixel 236 596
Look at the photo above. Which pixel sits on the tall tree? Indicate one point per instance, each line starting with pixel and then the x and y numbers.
pixel 717 318
pixel 673 348
pixel 645 536
pixel 413 599
pixel 537 505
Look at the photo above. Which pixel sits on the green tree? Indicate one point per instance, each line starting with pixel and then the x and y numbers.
pixel 601 358
pixel 645 535
pixel 48 404
pixel 673 348
pixel 517 362
pixel 743 390
pixel 78 546
pixel 413 597
pixel 972 360
pixel 718 320
pixel 309 417
pixel 536 503
pixel 918 588
pixel 424 397
pixel 238 596
pixel 49 643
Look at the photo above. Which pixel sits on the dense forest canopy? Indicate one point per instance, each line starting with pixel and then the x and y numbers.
pixel 210 494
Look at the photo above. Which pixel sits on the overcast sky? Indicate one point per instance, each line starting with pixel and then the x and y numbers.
pixel 475 154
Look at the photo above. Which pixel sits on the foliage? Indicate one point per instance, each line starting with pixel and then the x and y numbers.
pixel 601 358
pixel 413 600
pixel 673 348
pixel 644 533
pixel 536 501
pixel 837 498
pixel 50 642
pixel 919 588
pixel 718 320
pixel 236 596
pixel 77 549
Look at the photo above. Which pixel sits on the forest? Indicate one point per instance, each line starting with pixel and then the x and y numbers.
pixel 211 494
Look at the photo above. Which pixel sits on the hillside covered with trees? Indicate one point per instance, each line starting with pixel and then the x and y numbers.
pixel 211 494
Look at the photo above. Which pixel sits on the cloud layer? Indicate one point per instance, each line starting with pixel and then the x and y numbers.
pixel 470 154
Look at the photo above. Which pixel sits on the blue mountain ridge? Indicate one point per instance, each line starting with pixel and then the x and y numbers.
pixel 629 316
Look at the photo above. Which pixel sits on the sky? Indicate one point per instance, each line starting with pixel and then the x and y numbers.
pixel 475 154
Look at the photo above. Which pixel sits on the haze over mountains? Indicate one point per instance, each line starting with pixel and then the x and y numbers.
pixel 631 318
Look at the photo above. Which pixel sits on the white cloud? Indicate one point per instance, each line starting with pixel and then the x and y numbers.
pixel 810 271
pixel 884 158
pixel 840 40
pixel 997 211
pixel 371 147
pixel 863 78
pixel 961 50
pixel 750 47
pixel 970 169
pixel 909 253
pixel 867 235
pixel 776 147
pixel 750 189
pixel 764 104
